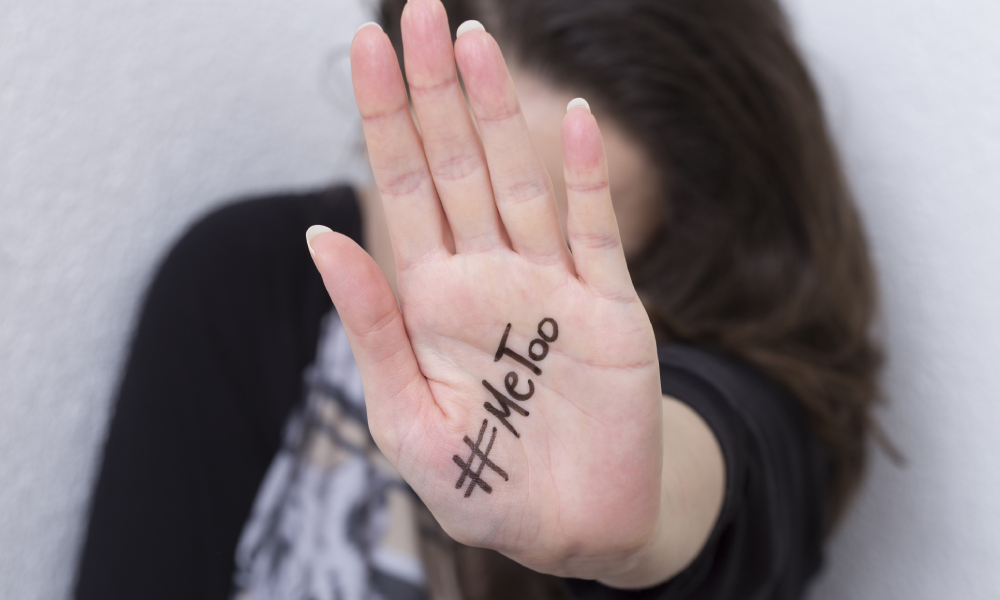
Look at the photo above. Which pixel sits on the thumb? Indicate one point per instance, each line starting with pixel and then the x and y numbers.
pixel 394 387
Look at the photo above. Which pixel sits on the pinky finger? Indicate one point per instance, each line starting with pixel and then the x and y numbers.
pixel 591 226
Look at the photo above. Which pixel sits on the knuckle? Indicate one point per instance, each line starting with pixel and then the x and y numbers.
pixel 519 192
pixel 376 117
pixel 456 166
pixel 593 240
pixel 433 88
pixel 378 325
pixel 500 114
pixel 588 188
pixel 403 182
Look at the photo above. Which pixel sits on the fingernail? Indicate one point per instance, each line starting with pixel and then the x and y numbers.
pixel 368 24
pixel 469 26
pixel 311 234
pixel 576 103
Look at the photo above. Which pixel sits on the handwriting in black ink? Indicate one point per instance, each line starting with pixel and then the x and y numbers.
pixel 506 404
pixel 475 478
pixel 503 349
pixel 555 330
pixel 538 349
pixel 510 382
pixel 543 340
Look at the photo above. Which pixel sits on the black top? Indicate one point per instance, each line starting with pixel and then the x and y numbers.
pixel 230 323
pixel 767 541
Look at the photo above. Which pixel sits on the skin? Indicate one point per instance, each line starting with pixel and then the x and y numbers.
pixel 608 480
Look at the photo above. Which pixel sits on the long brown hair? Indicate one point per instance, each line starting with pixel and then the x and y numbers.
pixel 762 253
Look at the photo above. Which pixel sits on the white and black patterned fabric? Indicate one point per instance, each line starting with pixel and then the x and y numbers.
pixel 333 520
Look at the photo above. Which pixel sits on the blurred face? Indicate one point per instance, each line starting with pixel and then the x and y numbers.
pixel 635 181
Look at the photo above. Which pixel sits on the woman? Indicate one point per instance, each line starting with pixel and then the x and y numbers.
pixel 517 388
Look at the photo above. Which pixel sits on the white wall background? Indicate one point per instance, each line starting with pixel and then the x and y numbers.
pixel 122 120
pixel 913 92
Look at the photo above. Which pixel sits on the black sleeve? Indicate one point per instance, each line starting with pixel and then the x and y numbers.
pixel 766 543
pixel 228 326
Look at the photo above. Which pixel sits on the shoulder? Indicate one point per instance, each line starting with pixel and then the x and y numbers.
pixel 254 240
pixel 245 266
pixel 267 223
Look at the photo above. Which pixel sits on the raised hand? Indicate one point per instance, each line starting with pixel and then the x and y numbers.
pixel 515 386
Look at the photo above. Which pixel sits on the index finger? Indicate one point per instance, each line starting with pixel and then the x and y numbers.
pixel 416 221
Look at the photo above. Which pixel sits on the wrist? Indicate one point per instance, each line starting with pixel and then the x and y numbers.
pixel 648 566
pixel 691 496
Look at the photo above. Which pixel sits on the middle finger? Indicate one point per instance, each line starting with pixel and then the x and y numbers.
pixel 454 155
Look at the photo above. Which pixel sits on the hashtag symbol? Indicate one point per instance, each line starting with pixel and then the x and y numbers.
pixel 484 461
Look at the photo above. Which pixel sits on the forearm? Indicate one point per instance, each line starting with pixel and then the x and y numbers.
pixel 692 488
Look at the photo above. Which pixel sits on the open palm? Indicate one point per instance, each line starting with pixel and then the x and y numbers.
pixel 515 386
